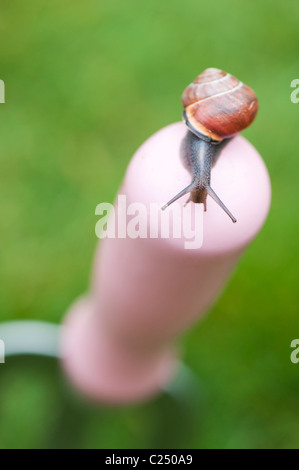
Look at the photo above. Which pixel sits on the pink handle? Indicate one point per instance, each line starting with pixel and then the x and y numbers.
pixel 117 343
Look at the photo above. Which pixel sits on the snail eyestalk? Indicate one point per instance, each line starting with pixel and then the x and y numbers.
pixel 220 203
pixel 178 196
pixel 211 193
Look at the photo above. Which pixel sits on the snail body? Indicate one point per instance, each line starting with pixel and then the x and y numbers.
pixel 217 106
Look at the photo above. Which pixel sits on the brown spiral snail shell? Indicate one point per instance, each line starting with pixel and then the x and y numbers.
pixel 217 106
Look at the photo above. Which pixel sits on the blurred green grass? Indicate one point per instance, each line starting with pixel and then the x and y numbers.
pixel 86 83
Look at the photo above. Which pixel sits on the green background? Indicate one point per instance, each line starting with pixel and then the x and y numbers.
pixel 86 84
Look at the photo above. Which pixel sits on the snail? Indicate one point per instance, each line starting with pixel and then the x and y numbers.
pixel 217 106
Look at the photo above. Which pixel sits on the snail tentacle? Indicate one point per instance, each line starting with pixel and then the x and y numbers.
pixel 216 198
pixel 179 195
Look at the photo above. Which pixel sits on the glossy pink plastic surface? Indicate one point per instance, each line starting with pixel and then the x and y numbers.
pixel 118 341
